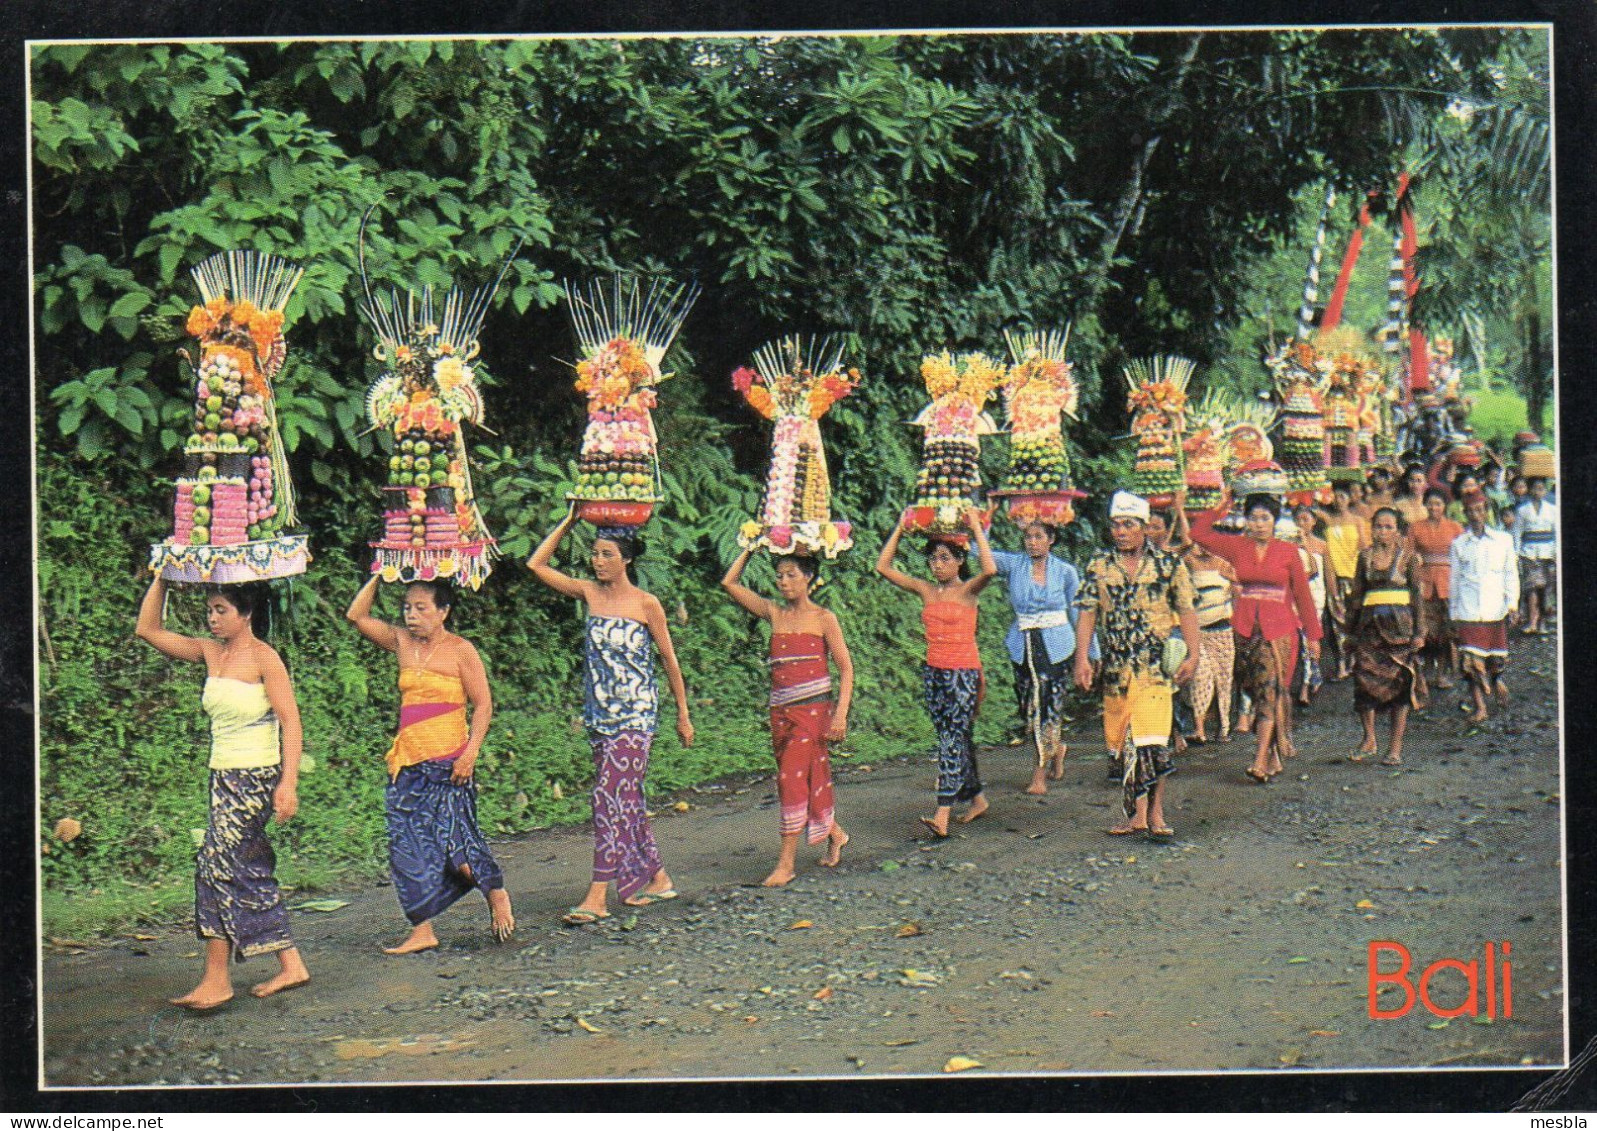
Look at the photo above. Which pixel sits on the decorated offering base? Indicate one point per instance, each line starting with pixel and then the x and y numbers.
pixel 261 560
pixel 467 564
pixel 1053 508
pixel 794 383
pixel 944 523
pixel 610 512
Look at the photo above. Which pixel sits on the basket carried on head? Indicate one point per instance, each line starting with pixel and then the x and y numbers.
pixel 1040 389
pixel 949 483
pixel 1157 399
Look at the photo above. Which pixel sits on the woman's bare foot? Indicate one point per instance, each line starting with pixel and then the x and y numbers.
pixel 1039 782
pixel 421 938
pixel 938 824
pixel 504 920
pixel 977 808
pixel 1500 689
pixel 779 878
pixel 1057 771
pixel 209 994
pixel 1125 828
pixel 1479 716
pixel 290 976
pixel 834 849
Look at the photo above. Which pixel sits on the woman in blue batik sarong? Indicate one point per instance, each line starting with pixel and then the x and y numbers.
pixel 255 749
pixel 624 626
pixel 436 852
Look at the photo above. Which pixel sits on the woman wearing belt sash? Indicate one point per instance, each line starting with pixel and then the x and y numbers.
pixel 952 675
pixel 1273 602
pixel 1041 641
pixel 1387 614
pixel 255 749
pixel 1213 582
pixel 1430 539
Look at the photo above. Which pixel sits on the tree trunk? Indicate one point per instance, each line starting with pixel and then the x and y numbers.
pixel 1130 199
pixel 1536 382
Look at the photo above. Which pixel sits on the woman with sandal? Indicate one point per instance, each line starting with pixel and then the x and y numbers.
pixel 436 852
pixel 1041 641
pixel 1387 615
pixel 624 626
pixel 254 770
pixel 952 674
pixel 1431 538
pixel 1213 582
pixel 804 719
pixel 1272 604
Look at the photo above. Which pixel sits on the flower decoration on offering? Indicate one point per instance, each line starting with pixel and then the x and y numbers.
pixel 1203 451
pixel 1040 386
pixel 795 383
pixel 1158 403
pixel 234 501
pixel 623 329
pixel 1343 455
pixel 432 528
pixel 949 482
pixel 1299 374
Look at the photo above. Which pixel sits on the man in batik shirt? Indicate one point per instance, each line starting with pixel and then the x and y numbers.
pixel 1135 597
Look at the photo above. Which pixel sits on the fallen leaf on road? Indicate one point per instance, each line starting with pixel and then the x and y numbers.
pixel 1291 1057
pixel 1324 1033
pixel 961 1063
pixel 629 922
pixel 63 943
pixel 901 1044
pixel 801 925
pixel 582 1023
pixel 1365 905
pixel 1296 959
pixel 143 938
pixel 750 1019
pixel 918 978
pixel 909 931
pixel 1130 860
pixel 1437 1025
pixel 681 806
pixel 1103 1013
pixel 890 865
pixel 823 993
pixel 67 829
pixel 322 905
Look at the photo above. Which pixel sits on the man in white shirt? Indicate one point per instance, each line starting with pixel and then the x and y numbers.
pixel 1484 599
pixel 1536 542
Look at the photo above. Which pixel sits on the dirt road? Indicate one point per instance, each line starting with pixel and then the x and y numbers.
pixel 1029 942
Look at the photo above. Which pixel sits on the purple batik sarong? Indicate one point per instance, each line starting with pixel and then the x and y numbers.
pixel 235 891
pixel 433 837
pixel 624 852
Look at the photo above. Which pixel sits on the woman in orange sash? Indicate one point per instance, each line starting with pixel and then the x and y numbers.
pixel 436 852
pixel 952 675
pixel 1431 538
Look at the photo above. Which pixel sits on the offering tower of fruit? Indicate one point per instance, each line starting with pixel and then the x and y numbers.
pixel 1343 455
pixel 431 525
pixel 234 501
pixel 1203 451
pixel 794 384
pixel 1299 374
pixel 1039 388
pixel 949 482
pixel 623 330
pixel 1158 403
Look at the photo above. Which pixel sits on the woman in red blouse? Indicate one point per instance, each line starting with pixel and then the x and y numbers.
pixel 1273 601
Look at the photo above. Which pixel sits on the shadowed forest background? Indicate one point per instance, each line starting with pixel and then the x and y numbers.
pixel 1157 191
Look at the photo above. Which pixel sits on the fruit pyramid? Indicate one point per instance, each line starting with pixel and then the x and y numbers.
pixel 1343 457
pixel 234 500
pixel 795 383
pixel 1203 454
pixel 1158 401
pixel 1302 446
pixel 1039 387
pixel 949 482
pixel 623 331
pixel 432 528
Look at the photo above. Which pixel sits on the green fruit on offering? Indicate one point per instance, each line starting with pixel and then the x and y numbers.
pixel 199 536
pixel 251 444
pixel 253 532
pixel 202 516
pixel 423 447
pixel 423 480
pixel 207 474
pixel 201 495
pixel 393 463
pixel 407 446
pixel 407 462
pixel 611 477
pixel 423 463
pixel 404 478
pixel 213 421
pixel 229 441
pixel 213 403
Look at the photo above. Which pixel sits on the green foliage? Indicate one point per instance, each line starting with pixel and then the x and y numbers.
pixel 911 193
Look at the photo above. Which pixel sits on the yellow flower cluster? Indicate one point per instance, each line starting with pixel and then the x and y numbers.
pixel 263 326
pixel 449 372
pixel 616 369
pixel 973 375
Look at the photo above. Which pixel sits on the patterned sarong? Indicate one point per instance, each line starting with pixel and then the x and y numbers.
pixel 1212 683
pixel 1482 647
pixel 432 836
pixel 804 773
pixel 235 892
pixel 1137 724
pixel 1384 671
pixel 951 698
pixel 1042 686
pixel 624 851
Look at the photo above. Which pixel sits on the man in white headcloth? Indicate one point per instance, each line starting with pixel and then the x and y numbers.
pixel 1135 598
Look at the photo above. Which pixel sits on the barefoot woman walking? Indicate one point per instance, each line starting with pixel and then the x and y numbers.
pixel 436 852
pixel 952 675
pixel 255 749
pixel 803 717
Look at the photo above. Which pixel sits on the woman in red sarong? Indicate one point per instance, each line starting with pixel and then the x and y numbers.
pixel 804 718
pixel 1273 602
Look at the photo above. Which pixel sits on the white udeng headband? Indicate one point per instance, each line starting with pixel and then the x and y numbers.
pixel 1126 505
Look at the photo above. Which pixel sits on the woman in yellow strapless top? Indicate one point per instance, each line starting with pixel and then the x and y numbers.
pixel 255 752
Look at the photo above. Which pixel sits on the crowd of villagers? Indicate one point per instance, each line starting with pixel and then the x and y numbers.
pixel 1409 586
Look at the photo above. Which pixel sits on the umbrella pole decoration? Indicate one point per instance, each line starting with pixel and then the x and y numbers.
pixel 234 500
pixel 949 482
pixel 794 383
pixel 623 328
pixel 1157 399
pixel 432 528
pixel 1311 281
pixel 1039 389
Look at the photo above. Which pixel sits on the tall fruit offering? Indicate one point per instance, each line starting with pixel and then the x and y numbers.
pixel 234 501
pixel 1300 375
pixel 949 482
pixel 794 384
pixel 1157 398
pixel 623 329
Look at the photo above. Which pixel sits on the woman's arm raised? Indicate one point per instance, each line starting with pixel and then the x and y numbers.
pixel 984 554
pixel 359 614
pixel 153 631
pixel 742 594
pixel 885 567
pixel 546 573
